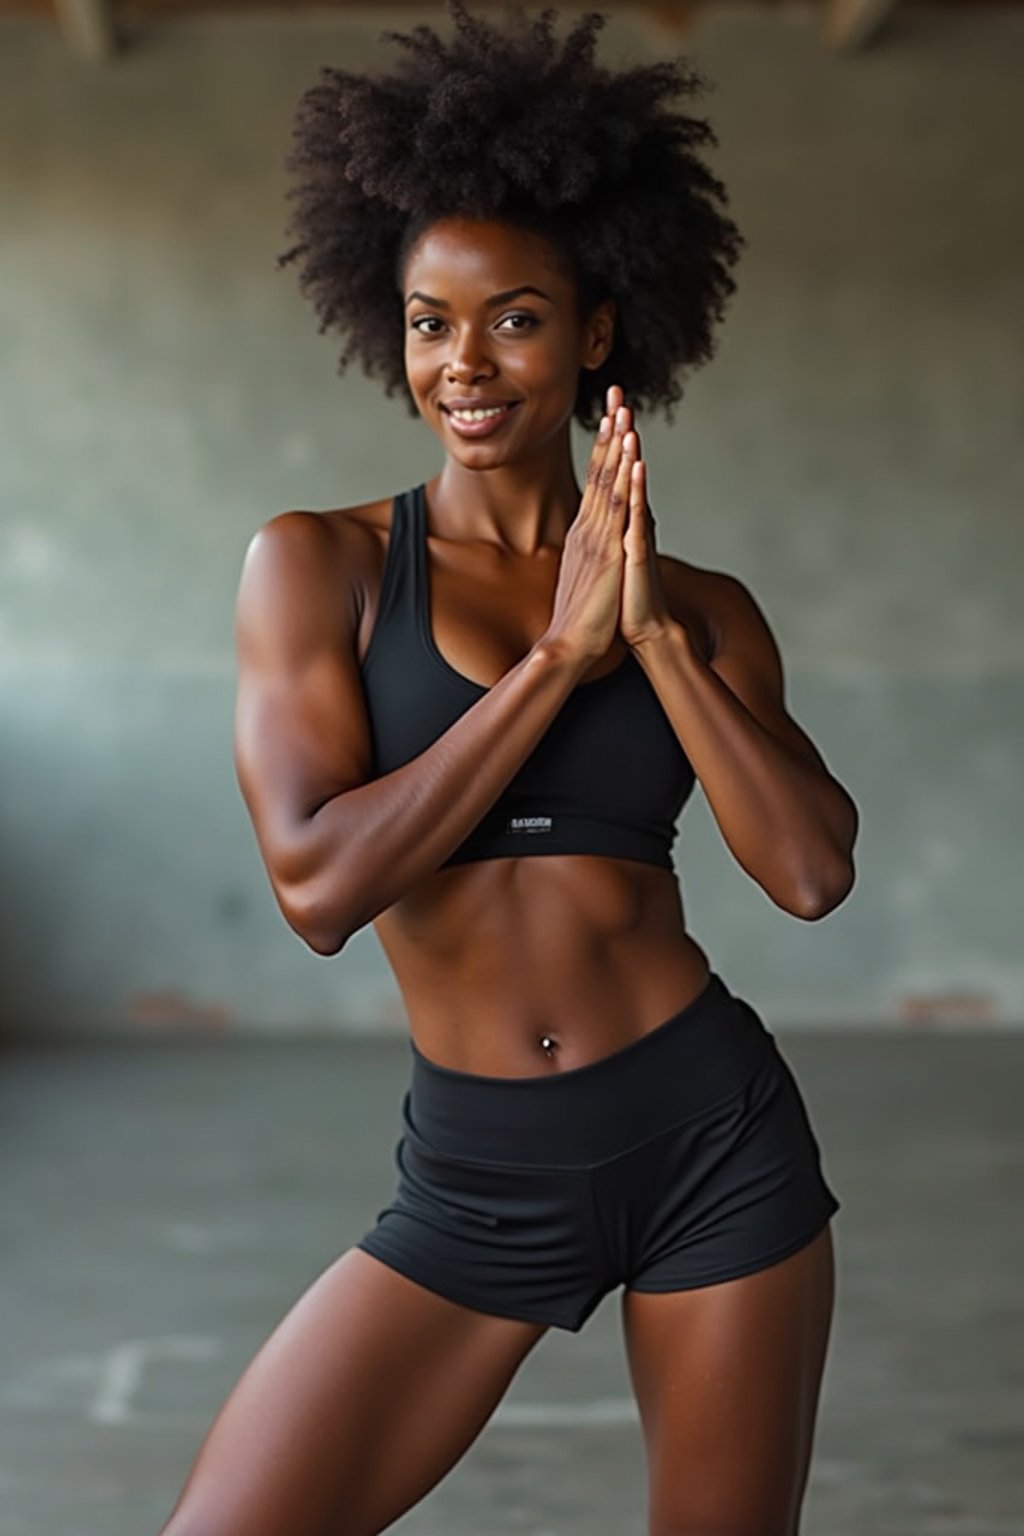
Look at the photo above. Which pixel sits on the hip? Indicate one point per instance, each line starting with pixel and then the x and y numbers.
pixel 703 1054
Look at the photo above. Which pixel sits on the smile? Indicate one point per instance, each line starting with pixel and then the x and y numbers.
pixel 480 421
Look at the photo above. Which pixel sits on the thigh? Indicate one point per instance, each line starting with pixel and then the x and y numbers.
pixel 363 1397
pixel 727 1380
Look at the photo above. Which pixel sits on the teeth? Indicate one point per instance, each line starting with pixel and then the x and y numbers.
pixel 478 415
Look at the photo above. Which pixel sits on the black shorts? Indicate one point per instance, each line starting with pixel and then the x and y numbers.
pixel 684 1159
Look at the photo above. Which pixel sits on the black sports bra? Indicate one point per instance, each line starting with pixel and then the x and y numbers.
pixel 607 777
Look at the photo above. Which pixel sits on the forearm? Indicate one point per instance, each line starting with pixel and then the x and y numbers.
pixel 363 849
pixel 788 823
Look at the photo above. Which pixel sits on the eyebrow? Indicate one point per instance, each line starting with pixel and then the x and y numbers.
pixel 495 299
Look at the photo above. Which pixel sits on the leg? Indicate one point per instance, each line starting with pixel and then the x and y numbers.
pixel 361 1400
pixel 727 1379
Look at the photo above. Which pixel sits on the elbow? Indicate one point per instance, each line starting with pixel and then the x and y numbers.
pixel 323 943
pixel 818 898
pixel 318 929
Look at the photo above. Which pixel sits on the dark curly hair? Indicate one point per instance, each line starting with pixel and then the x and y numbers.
pixel 508 124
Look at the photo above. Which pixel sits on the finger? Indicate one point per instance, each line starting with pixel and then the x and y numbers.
pixel 627 411
pixel 618 498
pixel 603 437
pixel 607 474
pixel 640 490
pixel 635 536
pixel 618 404
pixel 603 433
pixel 604 460
pixel 616 401
pixel 638 483
pixel 598 454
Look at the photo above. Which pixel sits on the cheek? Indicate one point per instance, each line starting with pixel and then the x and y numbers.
pixel 546 369
pixel 418 374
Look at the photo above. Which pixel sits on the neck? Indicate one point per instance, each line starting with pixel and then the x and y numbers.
pixel 521 507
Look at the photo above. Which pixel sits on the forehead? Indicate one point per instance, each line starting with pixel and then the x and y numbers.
pixel 483 253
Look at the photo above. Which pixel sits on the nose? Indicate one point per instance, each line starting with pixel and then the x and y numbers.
pixel 469 361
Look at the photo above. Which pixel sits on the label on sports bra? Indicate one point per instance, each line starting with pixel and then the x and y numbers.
pixel 528 824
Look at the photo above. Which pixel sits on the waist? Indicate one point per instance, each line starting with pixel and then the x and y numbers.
pixel 492 956
pixel 703 1053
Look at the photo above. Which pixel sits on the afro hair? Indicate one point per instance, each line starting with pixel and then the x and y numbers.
pixel 508 123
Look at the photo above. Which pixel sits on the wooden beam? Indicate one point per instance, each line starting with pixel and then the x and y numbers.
pixel 851 24
pixel 671 16
pixel 89 28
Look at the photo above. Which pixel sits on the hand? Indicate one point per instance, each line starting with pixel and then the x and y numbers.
pixel 644 612
pixel 588 595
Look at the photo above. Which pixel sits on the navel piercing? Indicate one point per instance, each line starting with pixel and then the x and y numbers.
pixel 547 1043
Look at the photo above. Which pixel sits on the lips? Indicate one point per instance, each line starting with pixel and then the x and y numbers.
pixel 478 418
pixel 473 403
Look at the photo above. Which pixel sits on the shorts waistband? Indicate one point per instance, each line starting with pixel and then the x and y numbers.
pixel 699 1056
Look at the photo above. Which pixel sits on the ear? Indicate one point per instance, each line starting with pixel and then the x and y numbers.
pixel 598 334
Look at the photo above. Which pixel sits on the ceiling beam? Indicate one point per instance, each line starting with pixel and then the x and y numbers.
pixel 851 24
pixel 89 28
pixel 673 15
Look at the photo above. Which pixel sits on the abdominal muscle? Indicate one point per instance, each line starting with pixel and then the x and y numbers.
pixel 494 958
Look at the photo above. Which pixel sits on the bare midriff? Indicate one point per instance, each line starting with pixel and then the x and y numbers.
pixel 513 967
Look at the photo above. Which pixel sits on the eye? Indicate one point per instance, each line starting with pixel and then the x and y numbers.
pixel 528 321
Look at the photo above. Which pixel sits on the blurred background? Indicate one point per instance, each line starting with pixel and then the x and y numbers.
pixel 853 454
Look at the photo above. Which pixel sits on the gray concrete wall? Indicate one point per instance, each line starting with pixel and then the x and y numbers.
pixel 853 454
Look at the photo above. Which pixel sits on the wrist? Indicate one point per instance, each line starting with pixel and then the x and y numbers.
pixel 669 636
pixel 553 653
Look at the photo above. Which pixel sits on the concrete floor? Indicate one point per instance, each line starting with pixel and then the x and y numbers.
pixel 164 1205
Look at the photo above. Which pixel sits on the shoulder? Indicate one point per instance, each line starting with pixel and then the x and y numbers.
pixel 349 536
pixel 346 530
pixel 315 557
pixel 714 602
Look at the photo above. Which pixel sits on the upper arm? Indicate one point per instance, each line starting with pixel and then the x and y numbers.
pixel 301 733
pixel 747 658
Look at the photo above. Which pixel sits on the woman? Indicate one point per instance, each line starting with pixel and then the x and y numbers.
pixel 470 714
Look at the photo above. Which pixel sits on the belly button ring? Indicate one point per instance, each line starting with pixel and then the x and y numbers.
pixel 547 1043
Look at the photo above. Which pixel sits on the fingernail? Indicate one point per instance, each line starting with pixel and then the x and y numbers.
pixel 621 418
pixel 603 429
